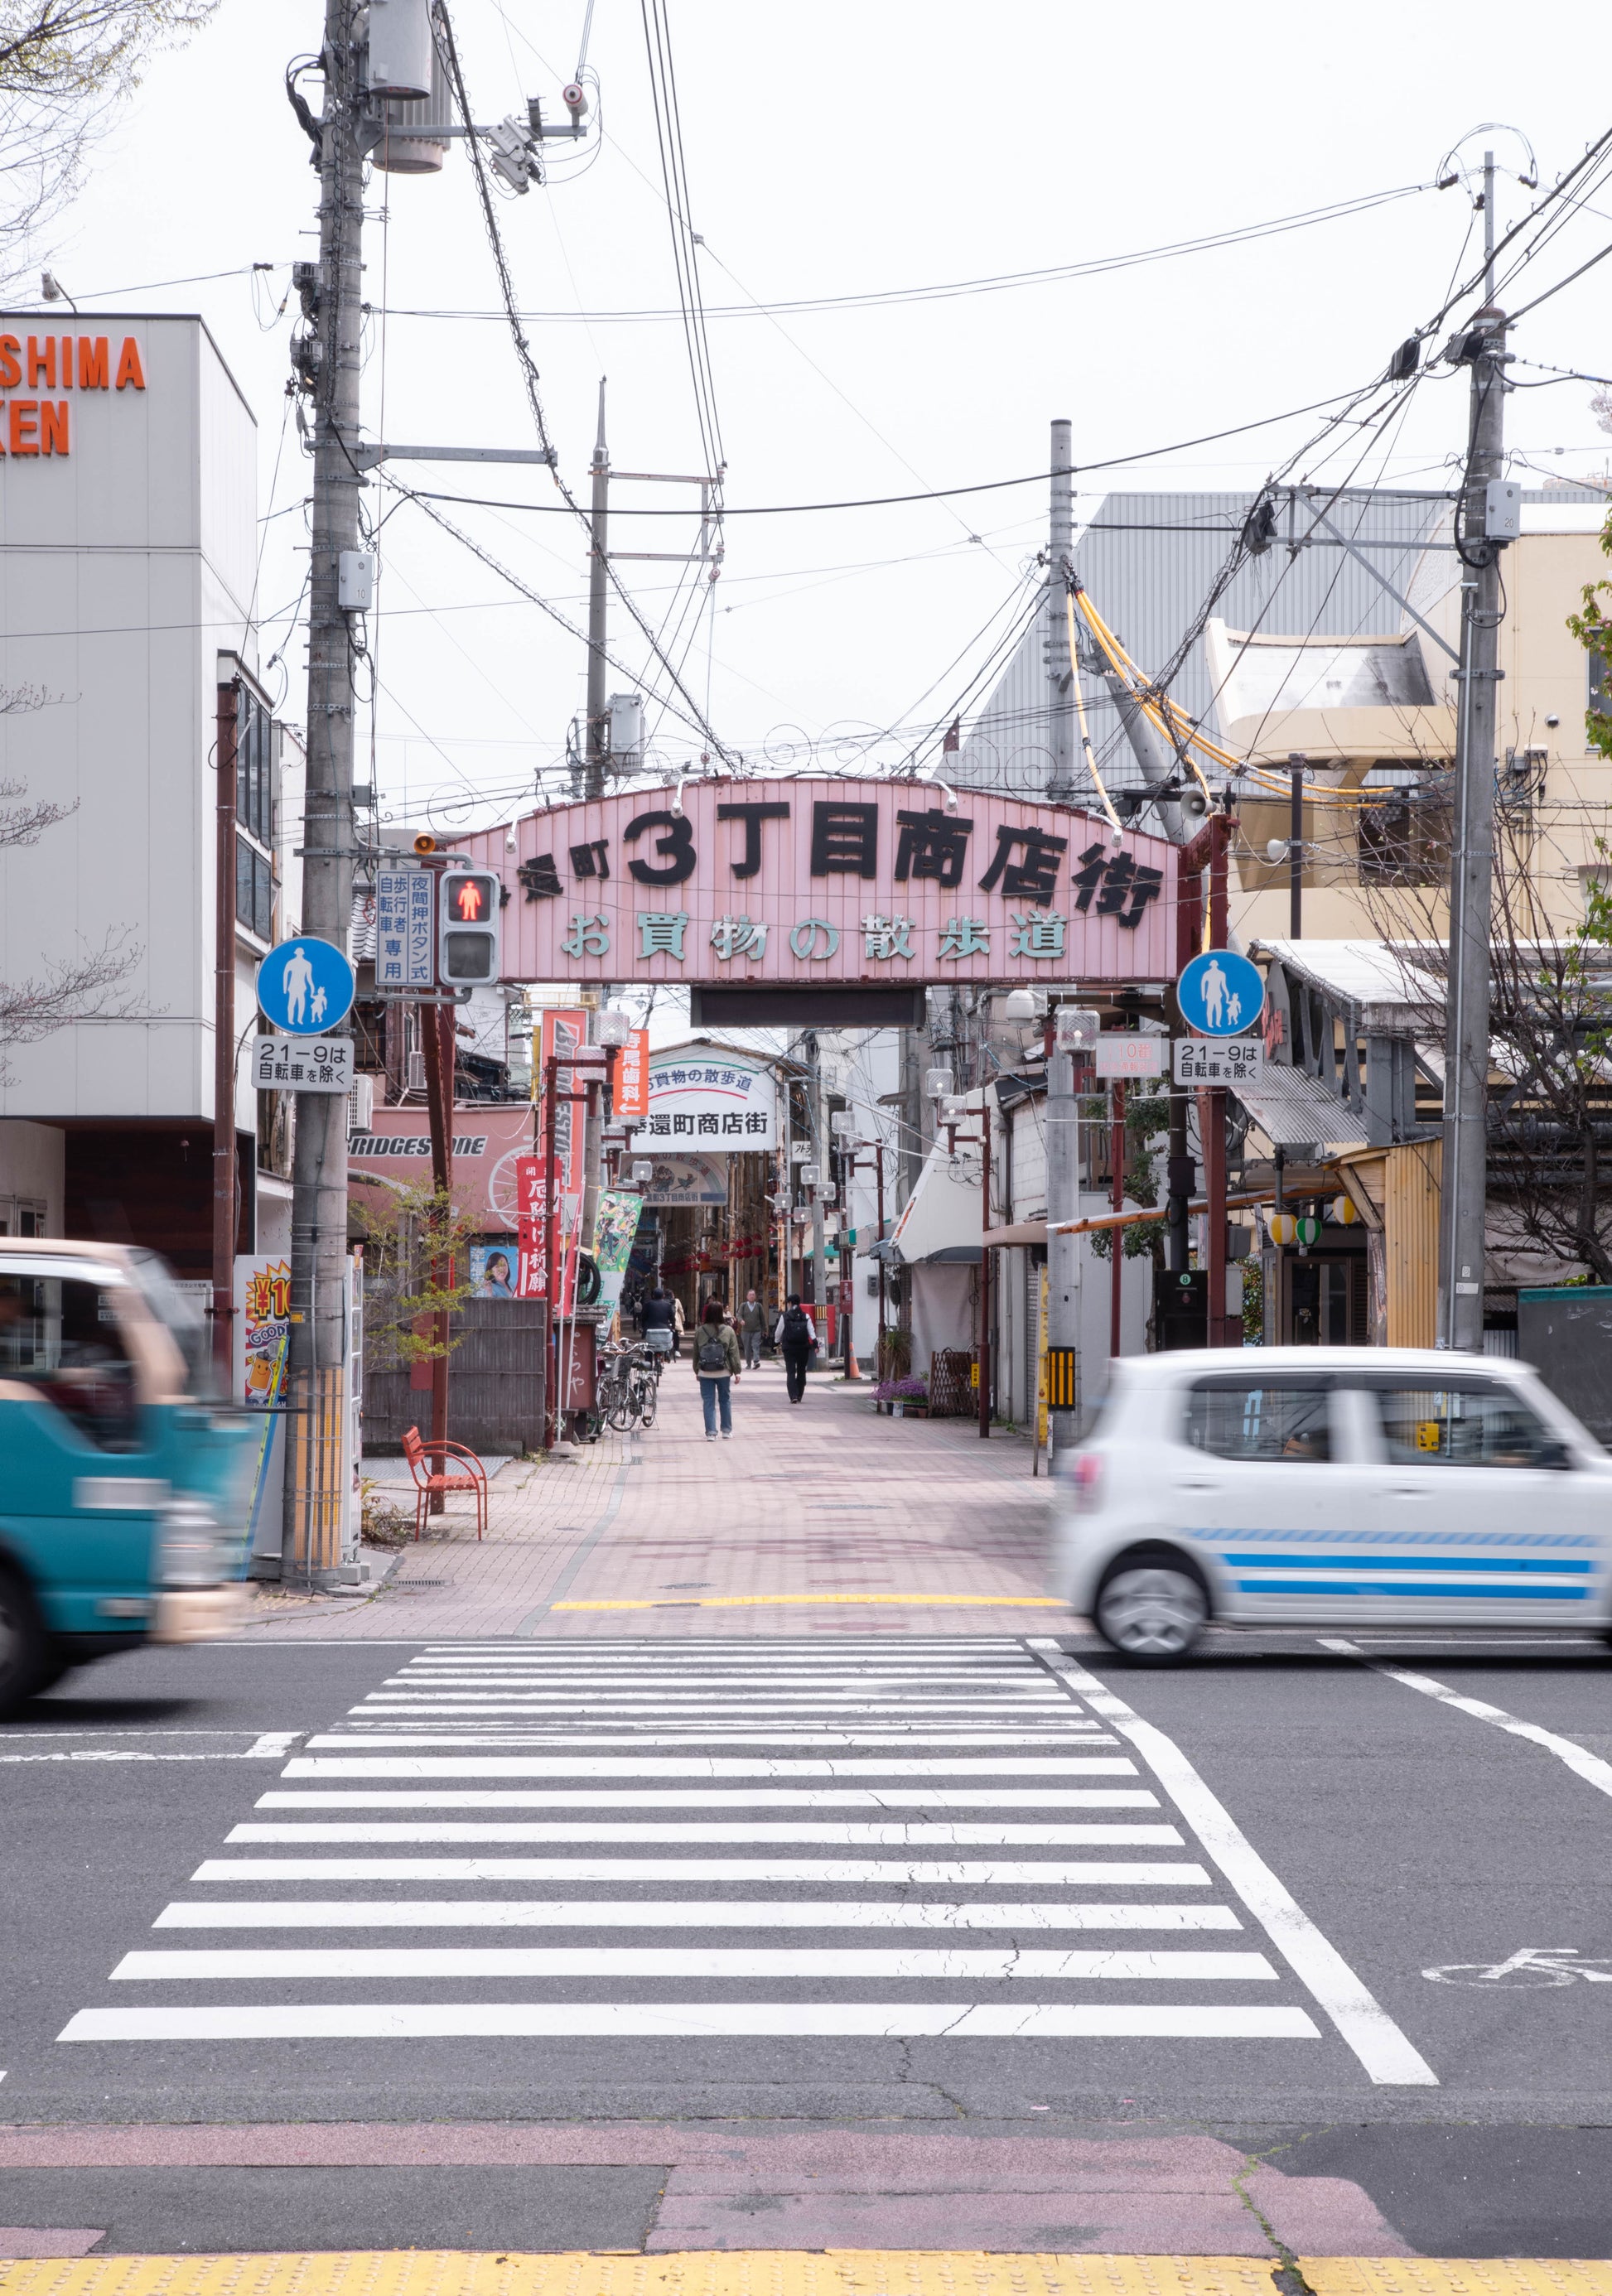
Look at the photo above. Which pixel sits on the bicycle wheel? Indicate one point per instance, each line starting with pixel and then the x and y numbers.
pixel 649 1393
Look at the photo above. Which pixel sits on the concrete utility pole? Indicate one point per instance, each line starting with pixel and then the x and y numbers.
pixel 1060 540
pixel 1463 1197
pixel 1063 1128
pixel 317 1351
pixel 597 742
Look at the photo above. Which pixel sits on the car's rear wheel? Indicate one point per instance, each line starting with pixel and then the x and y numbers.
pixel 27 1664
pixel 1153 1607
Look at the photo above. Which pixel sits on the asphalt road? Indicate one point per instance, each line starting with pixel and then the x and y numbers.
pixel 1256 1898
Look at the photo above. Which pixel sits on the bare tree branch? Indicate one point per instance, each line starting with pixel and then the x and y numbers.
pixel 64 65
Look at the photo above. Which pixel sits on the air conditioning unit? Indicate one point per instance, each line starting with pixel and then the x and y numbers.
pixel 416 1072
pixel 361 1104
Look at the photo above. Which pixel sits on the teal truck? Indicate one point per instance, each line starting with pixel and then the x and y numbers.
pixel 123 1500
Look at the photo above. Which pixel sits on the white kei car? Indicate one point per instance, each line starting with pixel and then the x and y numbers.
pixel 1331 1487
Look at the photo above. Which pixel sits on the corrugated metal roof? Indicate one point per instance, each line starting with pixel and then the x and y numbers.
pixel 1149 562
pixel 1293 1109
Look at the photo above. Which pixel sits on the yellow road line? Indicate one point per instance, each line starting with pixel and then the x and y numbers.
pixel 1484 2275
pixel 736 2272
pixel 763 1602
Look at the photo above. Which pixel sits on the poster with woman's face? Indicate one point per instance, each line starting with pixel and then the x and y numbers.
pixel 492 1271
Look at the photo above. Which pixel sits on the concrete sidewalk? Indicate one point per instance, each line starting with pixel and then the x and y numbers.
pixel 820 1517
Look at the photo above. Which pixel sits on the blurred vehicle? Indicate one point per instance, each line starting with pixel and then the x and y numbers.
pixel 123 1506
pixel 1331 1487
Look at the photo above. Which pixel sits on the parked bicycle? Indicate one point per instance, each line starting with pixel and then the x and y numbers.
pixel 629 1387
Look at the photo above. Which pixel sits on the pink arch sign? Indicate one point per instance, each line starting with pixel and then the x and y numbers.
pixel 829 881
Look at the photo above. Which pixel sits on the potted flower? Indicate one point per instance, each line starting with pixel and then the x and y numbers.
pixel 907 1397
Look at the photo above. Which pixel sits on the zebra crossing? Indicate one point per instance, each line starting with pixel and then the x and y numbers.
pixel 716 1839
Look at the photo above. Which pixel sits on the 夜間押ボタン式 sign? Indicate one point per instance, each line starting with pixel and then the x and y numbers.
pixel 829 881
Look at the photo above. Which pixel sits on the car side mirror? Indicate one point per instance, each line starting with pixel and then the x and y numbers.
pixel 1554 1454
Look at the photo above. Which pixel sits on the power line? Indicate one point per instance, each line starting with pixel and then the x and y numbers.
pixel 991 284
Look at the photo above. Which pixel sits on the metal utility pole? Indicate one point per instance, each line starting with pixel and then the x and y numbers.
pixel 1296 850
pixel 1464 1194
pixel 332 300
pixel 1060 710
pixel 598 744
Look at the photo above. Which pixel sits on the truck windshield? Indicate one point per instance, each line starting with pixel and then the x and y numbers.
pixel 187 1326
pixel 59 1335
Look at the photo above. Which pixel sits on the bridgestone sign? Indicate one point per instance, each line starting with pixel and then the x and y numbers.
pixel 727 882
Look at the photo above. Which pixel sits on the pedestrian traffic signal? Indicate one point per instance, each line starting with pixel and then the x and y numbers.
pixel 467 928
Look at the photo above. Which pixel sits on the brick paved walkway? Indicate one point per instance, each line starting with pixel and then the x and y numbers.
pixel 822 1517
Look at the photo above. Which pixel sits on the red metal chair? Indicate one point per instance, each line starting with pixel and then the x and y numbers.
pixel 419 1450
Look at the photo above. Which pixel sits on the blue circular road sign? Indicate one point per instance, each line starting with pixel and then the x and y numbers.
pixel 306 987
pixel 1221 993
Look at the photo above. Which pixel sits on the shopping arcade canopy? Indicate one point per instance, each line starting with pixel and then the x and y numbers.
pixel 724 882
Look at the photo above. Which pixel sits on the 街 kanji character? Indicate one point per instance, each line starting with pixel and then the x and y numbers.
pixel 1034 874
pixel 804 939
pixel 589 934
pixel 931 844
pixel 660 932
pixel 540 878
pixel 732 936
pixel 887 937
pixel 964 936
pixel 844 840
pixel 1124 886
pixel 1037 932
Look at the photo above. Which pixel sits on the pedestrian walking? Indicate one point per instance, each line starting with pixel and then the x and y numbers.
pixel 658 1323
pixel 716 1365
pixel 752 1326
pixel 797 1337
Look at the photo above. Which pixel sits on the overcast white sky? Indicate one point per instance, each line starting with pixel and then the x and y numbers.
pixel 848 149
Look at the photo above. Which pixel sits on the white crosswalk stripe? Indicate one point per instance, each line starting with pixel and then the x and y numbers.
pixel 713 1838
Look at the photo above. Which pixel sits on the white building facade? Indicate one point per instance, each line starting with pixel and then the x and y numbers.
pixel 127 559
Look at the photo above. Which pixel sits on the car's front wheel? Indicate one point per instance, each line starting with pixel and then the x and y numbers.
pixel 1151 1608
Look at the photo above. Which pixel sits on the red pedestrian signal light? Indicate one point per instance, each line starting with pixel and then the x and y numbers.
pixel 467 934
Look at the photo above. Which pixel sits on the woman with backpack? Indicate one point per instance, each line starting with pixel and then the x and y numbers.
pixel 797 1339
pixel 717 1363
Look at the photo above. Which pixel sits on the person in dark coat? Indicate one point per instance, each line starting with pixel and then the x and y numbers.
pixel 797 1339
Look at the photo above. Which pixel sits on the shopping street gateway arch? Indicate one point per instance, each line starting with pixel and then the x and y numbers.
pixel 835 901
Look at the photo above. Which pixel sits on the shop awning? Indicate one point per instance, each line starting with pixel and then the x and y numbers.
pixel 940 1222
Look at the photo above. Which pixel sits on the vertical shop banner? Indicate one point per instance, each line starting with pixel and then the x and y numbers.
pixel 614 1235
pixel 534 1179
pixel 563 1028
pixel 629 1082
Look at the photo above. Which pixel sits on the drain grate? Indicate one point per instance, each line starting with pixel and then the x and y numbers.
pixel 407 1586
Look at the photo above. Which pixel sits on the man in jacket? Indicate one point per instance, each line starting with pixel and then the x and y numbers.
pixel 659 1314
pixel 752 1324
pixel 797 1337
pixel 716 1365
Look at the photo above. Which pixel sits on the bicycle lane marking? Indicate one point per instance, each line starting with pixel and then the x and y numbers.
pixel 1588 1767
pixel 1362 2023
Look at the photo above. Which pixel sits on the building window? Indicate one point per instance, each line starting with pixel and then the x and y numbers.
pixel 254 891
pixel 255 748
